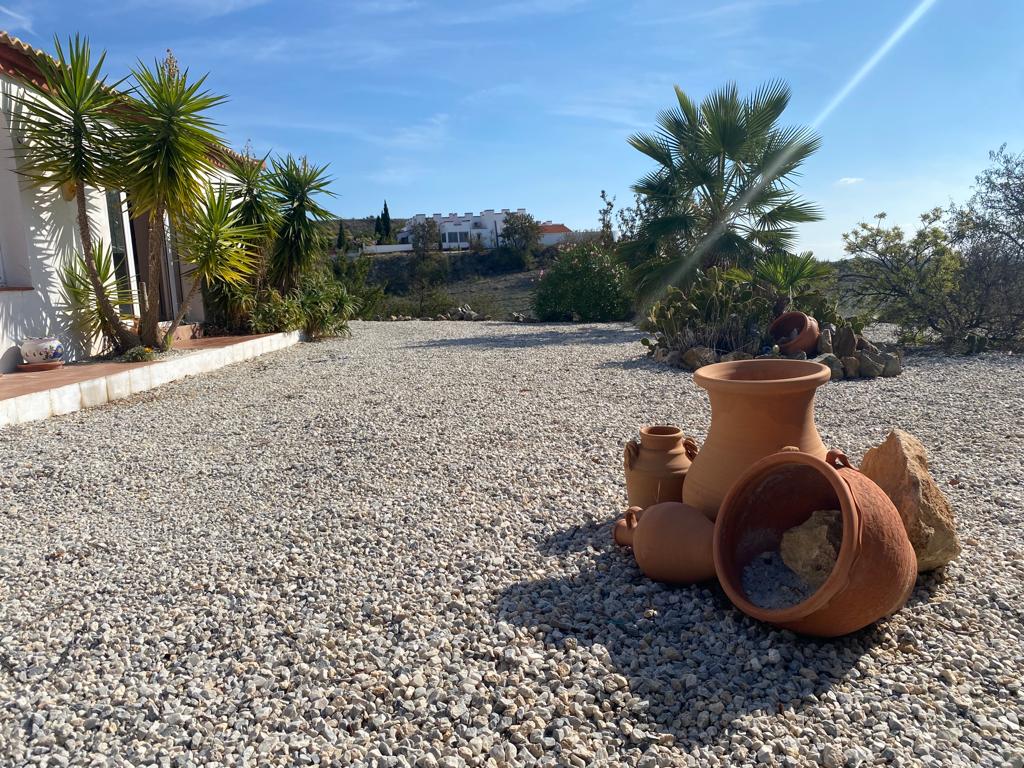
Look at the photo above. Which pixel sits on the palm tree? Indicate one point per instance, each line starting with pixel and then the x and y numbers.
pixel 169 140
pixel 220 248
pixel 784 275
pixel 300 236
pixel 71 143
pixel 720 194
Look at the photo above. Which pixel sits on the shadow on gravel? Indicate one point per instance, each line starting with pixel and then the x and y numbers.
pixel 572 334
pixel 686 651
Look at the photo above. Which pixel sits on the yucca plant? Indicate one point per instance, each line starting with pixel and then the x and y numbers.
pixel 212 239
pixel 69 142
pixel 83 303
pixel 783 275
pixel 169 138
pixel 720 194
pixel 296 183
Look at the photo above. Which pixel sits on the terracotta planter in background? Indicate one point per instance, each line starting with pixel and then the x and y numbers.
pixel 656 465
pixel 875 568
pixel 671 542
pixel 757 408
pixel 806 327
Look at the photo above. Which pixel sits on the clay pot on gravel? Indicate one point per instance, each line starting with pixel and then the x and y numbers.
pixel 757 408
pixel 875 567
pixel 656 465
pixel 807 333
pixel 671 542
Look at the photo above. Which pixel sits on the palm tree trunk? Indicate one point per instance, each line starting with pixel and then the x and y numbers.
pixel 150 326
pixel 113 329
pixel 169 335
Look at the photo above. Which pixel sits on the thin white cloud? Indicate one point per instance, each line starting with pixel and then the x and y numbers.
pixel 428 133
pixel 15 20
pixel 849 181
pixel 514 9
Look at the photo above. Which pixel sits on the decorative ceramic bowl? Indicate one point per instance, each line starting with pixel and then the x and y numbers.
pixel 45 349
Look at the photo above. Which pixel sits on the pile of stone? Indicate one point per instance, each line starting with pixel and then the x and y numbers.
pixel 847 354
pixel 464 312
pixel 851 356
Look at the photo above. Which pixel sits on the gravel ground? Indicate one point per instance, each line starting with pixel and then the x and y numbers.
pixel 396 550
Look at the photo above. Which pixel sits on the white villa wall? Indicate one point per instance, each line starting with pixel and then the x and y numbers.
pixel 488 225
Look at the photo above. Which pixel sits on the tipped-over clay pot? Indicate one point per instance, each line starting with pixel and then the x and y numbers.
pixel 656 466
pixel 875 567
pixel 807 333
pixel 757 408
pixel 671 542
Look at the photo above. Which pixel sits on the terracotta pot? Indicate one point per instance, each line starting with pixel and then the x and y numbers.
pixel 757 408
pixel 622 532
pixel 671 542
pixel 875 567
pixel 656 466
pixel 806 328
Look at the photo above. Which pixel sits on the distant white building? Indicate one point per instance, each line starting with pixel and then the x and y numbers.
pixel 461 232
pixel 553 234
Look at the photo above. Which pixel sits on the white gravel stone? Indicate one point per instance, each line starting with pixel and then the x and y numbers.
pixel 395 550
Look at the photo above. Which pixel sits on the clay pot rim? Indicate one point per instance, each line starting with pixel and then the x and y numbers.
pixel 785 317
pixel 838 576
pixel 790 375
pixel 661 430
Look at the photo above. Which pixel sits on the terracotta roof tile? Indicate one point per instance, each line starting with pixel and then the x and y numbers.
pixel 555 229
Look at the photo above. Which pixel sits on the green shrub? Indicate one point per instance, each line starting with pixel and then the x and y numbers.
pixel 715 310
pixel 138 354
pixel 324 305
pixel 354 275
pixel 585 284
pixel 435 302
pixel 274 313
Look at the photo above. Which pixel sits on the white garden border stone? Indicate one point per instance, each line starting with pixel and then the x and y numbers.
pixel 69 398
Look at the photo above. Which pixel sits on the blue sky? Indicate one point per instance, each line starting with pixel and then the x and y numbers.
pixel 460 106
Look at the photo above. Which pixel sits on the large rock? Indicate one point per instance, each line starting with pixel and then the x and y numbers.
pixel 851 365
pixel 900 468
pixel 674 358
pixel 844 343
pixel 728 357
pixel 871 364
pixel 891 365
pixel 834 363
pixel 810 549
pixel 698 357
pixel 863 343
pixel 825 342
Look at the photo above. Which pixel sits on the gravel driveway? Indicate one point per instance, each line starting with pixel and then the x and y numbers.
pixel 395 550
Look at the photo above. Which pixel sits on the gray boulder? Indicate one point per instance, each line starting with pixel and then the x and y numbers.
pixel 871 364
pixel 728 357
pixel 891 365
pixel 834 364
pixel 844 343
pixel 825 342
pixel 698 357
pixel 851 365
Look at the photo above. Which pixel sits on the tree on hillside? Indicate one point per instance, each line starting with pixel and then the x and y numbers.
pixel 341 244
pixel 521 232
pixel 376 230
pixel 606 236
pixel 720 194
pixel 385 223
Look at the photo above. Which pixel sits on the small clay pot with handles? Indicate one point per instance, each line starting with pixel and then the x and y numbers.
pixel 671 542
pixel 656 465
pixel 875 568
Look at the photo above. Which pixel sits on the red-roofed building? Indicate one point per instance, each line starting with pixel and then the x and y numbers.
pixel 553 234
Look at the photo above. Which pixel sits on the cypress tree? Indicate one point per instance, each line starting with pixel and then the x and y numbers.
pixel 385 222
pixel 342 242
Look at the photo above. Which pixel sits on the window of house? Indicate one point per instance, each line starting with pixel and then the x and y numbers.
pixel 119 243
pixel 463 237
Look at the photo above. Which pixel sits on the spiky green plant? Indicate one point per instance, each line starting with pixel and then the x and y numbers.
pixel 296 183
pixel 784 275
pixel 169 139
pixel 69 143
pixel 720 193
pixel 81 301
pixel 218 247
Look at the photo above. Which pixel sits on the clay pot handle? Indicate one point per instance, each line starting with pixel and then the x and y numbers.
pixel 690 446
pixel 837 459
pixel 631 452
pixel 631 517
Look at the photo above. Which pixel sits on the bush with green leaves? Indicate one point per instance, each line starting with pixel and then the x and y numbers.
pixel 354 275
pixel 274 312
pixel 433 303
pixel 324 305
pixel 138 354
pixel 716 310
pixel 81 302
pixel 585 284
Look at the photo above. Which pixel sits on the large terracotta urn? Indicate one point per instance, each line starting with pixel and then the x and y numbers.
pixel 757 408
pixel 874 569
pixel 656 465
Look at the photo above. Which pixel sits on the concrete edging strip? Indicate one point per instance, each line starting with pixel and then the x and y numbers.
pixel 69 398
